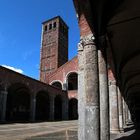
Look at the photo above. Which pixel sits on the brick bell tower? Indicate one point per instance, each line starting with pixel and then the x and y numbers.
pixel 54 46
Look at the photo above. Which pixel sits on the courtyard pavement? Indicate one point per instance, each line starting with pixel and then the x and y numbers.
pixel 62 130
pixel 22 131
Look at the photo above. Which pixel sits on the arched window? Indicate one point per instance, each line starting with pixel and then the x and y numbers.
pixel 72 80
pixel 57 84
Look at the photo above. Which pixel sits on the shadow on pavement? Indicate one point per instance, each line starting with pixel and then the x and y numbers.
pixel 134 136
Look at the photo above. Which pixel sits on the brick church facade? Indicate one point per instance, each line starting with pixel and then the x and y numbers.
pixel 55 69
pixel 54 96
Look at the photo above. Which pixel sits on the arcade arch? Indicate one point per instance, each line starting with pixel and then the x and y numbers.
pixel 18 103
pixel 72 81
pixel 42 106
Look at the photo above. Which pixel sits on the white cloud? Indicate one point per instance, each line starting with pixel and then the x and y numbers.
pixel 14 69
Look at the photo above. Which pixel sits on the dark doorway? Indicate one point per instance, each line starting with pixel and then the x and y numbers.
pixel 42 106
pixel 72 81
pixel 18 103
pixel 73 109
pixel 58 108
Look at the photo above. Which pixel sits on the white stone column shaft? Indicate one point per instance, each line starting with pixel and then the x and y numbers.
pixel 129 116
pixel 113 99
pixel 81 94
pixel 104 97
pixel 89 112
pixel 124 115
pixel 120 107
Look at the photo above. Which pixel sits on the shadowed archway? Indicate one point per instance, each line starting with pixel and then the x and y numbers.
pixel 18 103
pixel 72 80
pixel 58 108
pixel 42 106
pixel 73 109
pixel 57 84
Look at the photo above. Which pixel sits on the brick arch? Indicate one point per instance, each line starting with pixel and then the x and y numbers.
pixel 72 85
pixel 42 105
pixel 57 83
pixel 58 101
pixel 18 109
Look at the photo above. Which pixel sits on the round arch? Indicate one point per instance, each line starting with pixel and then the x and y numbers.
pixel 56 83
pixel 42 106
pixel 72 81
pixel 18 103
pixel 125 61
pixel 73 109
pixel 58 107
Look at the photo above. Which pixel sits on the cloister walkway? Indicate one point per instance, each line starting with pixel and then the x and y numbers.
pixel 62 130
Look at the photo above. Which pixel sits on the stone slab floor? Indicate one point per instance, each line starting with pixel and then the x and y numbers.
pixel 24 131
pixel 63 130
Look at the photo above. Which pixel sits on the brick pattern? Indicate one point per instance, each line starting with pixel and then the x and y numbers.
pixel 61 73
pixel 54 50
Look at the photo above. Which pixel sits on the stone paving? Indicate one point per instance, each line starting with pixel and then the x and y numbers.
pixel 20 131
pixel 62 130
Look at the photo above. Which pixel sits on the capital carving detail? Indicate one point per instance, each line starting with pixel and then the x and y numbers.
pixel 80 47
pixel 87 40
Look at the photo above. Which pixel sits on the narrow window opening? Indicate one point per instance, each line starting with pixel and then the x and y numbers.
pixel 45 28
pixel 50 26
pixel 54 25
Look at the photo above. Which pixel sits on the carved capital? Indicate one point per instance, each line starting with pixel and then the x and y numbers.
pixel 87 40
pixel 113 82
pixel 80 47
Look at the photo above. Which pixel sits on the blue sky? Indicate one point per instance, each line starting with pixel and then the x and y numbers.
pixel 20 31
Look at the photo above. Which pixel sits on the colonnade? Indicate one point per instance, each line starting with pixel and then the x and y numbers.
pixel 101 106
pixel 32 110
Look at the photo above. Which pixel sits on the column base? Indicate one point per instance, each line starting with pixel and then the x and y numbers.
pixel 121 130
pixel 116 131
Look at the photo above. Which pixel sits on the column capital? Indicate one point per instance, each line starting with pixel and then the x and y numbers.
pixel 87 40
pixel 80 46
pixel 112 82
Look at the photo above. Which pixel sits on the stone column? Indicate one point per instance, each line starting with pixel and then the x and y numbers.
pixel 129 117
pixel 32 107
pixel 51 108
pixel 114 116
pixel 127 114
pixel 4 101
pixel 81 93
pixel 104 96
pixel 65 108
pixel 88 92
pixel 64 87
pixel 120 108
pixel 124 115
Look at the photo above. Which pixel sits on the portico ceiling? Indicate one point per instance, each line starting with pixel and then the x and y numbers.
pixel 120 21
